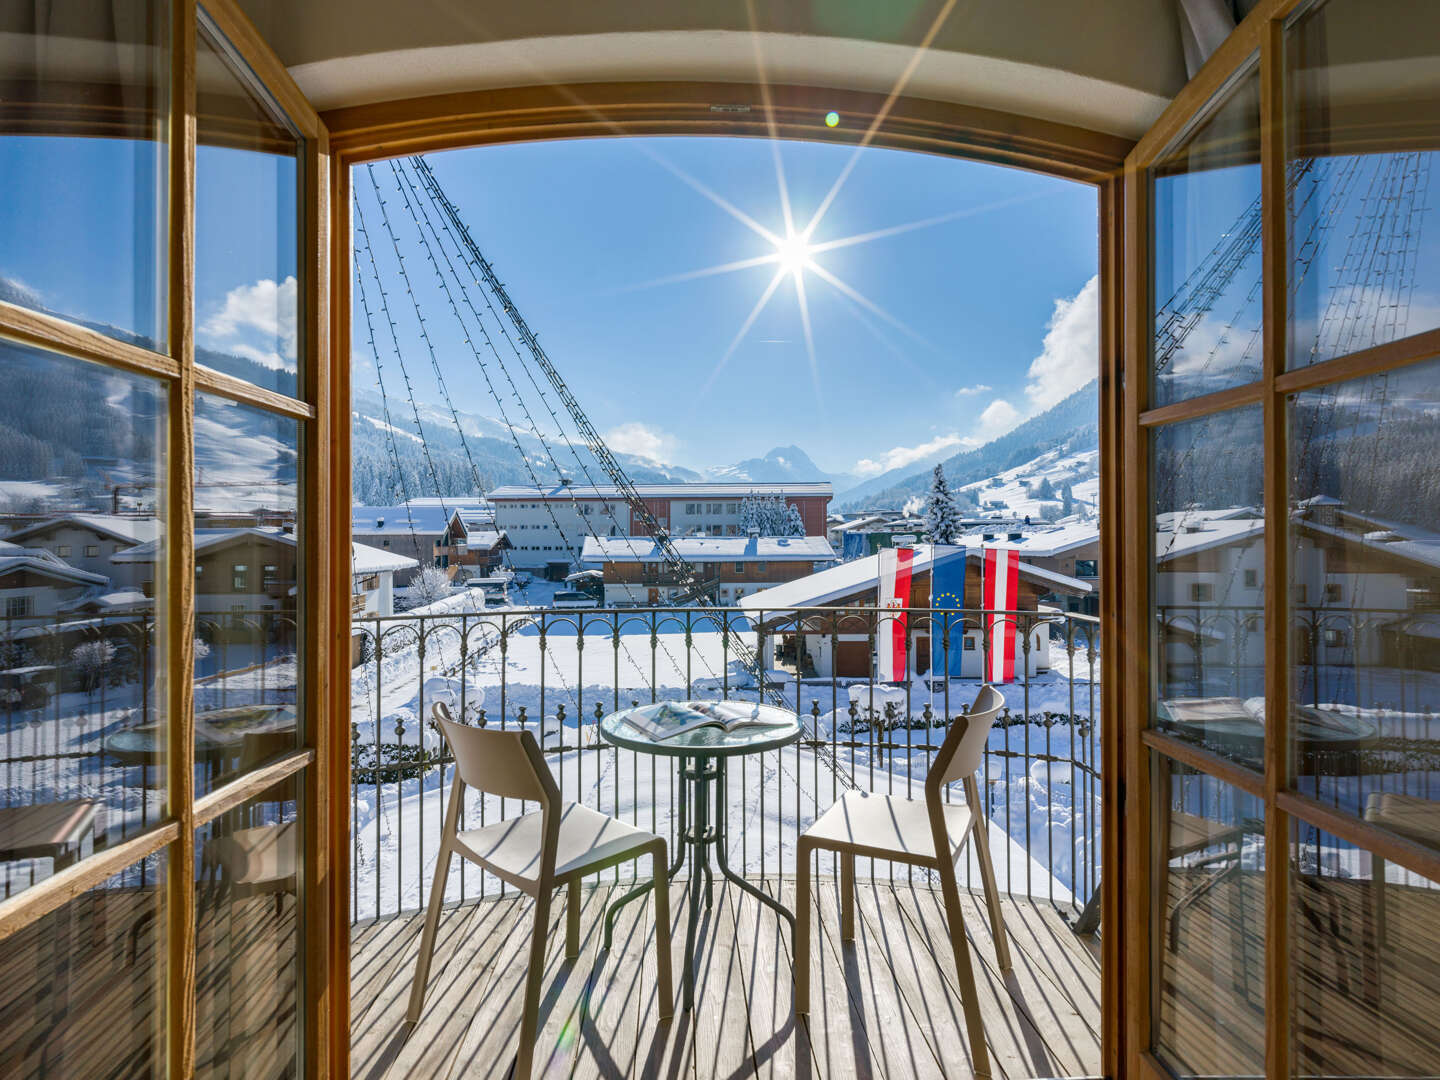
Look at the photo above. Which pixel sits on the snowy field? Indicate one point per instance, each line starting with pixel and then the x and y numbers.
pixel 1040 828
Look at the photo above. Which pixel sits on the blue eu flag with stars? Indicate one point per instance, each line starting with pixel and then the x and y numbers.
pixel 947 593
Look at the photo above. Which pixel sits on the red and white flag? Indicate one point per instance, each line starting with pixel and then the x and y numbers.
pixel 1000 591
pixel 896 565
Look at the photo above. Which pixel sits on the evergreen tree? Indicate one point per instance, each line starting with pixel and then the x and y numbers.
pixel 1067 501
pixel 942 516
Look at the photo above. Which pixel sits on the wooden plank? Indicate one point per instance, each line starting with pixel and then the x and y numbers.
pixel 1203 405
pixel 1206 761
pixel 48 332
pixel 621 1033
pixel 214 803
pixel 1057 956
pixel 1032 1027
pixel 839 1042
pixel 935 1007
pixel 567 990
pixel 895 1038
pixel 1372 361
pixel 720 1020
pixel 211 381
pixel 780 1045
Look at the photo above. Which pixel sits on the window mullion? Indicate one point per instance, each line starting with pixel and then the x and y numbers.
pixel 180 591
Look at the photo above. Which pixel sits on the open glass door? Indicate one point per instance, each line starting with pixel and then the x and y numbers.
pixel 1282 776
pixel 164 900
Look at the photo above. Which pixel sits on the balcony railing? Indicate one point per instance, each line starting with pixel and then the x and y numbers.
pixel 558 673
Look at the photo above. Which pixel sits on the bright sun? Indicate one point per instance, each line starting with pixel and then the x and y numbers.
pixel 793 253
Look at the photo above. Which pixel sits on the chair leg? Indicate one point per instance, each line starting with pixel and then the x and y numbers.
pixel 427 939
pixel 981 840
pixel 974 1025
pixel 661 889
pixel 802 927
pixel 572 920
pixel 535 973
pixel 847 897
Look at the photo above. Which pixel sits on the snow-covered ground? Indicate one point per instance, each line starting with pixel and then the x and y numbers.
pixel 1012 487
pixel 1040 828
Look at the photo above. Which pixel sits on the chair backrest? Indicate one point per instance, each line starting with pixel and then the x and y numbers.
pixel 964 746
pixel 504 763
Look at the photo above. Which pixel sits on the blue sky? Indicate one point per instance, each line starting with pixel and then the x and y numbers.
pixel 589 235
pixel 967 325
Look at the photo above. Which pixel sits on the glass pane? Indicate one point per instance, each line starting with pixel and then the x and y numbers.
pixel 247 939
pixel 1364 256
pixel 1208 935
pixel 85 984
pixel 1206 288
pixel 246 560
pixel 84 118
pixel 1209 582
pixel 82 689
pixel 1364 981
pixel 247 236
pixel 1365 597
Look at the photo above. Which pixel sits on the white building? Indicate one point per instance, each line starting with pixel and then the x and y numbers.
pixel 529 515
pixel 88 541
pixel 35 582
pixel 372 574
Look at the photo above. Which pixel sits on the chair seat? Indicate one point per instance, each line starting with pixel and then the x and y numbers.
pixel 1409 815
pixel 259 857
pixel 588 841
pixel 886 827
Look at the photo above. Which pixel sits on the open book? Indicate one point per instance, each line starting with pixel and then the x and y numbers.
pixel 671 718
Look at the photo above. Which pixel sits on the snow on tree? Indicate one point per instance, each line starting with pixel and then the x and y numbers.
pixel 1067 501
pixel 201 648
pixel 90 659
pixel 770 516
pixel 428 585
pixel 942 515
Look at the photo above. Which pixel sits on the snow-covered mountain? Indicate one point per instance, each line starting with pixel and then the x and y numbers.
pixel 781 465
pixel 1070 427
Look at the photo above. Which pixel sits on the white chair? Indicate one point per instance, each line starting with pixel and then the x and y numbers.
pixel 930 833
pixel 537 852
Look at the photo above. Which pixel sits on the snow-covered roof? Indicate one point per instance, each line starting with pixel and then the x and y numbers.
pixel 1191 533
pixel 1045 543
pixel 39 561
pixel 484 538
pixel 365 559
pixel 123 600
pixel 206 540
pixel 417 516
pixel 737 490
pixel 838 582
pixel 709 549
pixel 862 523
pixel 130 530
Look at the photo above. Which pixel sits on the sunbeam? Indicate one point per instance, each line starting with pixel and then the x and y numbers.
pixel 869 305
pixel 692 275
pixel 809 338
pixel 745 328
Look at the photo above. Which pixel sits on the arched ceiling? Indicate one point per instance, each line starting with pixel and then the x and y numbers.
pixel 1110 67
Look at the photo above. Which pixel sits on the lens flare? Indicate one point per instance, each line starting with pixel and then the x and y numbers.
pixel 832 119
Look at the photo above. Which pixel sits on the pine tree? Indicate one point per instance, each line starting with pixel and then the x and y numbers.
pixel 1067 501
pixel 942 516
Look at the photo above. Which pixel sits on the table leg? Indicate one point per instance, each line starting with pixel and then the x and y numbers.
pixel 684 823
pixel 721 853
pixel 696 837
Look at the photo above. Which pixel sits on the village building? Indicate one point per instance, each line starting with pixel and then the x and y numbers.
pixel 584 511
pixel 372 595
pixel 841 645
pixel 433 532
pixel 1070 548
pixel 731 567
pixel 87 542
pixel 36 583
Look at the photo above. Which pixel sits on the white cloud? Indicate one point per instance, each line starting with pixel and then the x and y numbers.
pixel 640 440
pixel 971 391
pixel 1071 354
pixel 998 418
pixel 257 322
pixel 898 456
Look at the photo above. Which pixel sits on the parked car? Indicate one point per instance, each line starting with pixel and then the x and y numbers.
pixel 27 687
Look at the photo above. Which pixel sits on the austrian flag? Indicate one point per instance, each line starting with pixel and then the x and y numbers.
pixel 896 567
pixel 999 592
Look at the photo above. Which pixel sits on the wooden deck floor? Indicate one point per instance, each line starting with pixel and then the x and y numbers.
pixel 884 1006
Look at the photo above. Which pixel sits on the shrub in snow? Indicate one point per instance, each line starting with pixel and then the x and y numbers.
pixel 428 585
pixel 942 515
pixel 202 650
pixel 90 659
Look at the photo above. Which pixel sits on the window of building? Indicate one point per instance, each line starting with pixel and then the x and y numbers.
pixel 1087 568
pixel 92 551
pixel 1202 593
pixel 739 568
pixel 239 577
pixel 62 550
pixel 1334 592
pixel 18 607
pixel 1252 579
pixel 270 574
pixel 760 566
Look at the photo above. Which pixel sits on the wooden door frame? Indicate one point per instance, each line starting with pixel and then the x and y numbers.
pixel 1260 40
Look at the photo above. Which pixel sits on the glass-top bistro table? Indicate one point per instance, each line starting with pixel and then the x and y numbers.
pixel 702 755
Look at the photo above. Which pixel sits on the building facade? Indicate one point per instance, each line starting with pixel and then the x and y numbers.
pixel 530 515
pixel 731 567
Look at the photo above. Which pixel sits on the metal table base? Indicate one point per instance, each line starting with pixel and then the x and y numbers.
pixel 698 774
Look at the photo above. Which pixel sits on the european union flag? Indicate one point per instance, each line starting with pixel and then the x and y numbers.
pixel 947 593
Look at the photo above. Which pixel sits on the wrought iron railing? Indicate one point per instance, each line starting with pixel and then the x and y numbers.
pixel 559 672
